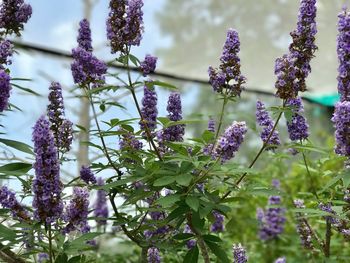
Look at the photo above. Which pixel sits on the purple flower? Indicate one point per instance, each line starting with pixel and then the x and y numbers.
pixel 8 200
pixel 128 142
pixel 148 66
pixel 264 120
pixel 343 50
pixel 134 22
pixel 43 257
pixel 87 175
pixel 176 132
pixel 13 15
pixel 77 211
pixel 100 206
pixel 153 255
pixel 55 109
pixel 6 51
pixel 86 68
pixel 298 128
pixel 286 71
pixel 271 220
pixel 192 242
pixel 218 225
pixel 65 136
pixel 84 37
pixel 303 45
pixel 341 120
pixel 239 254
pixel 229 143
pixel 124 24
pixel 47 186
pixel 149 110
pixel 281 260
pixel 5 88
pixel 302 228
pixel 211 125
pixel 229 75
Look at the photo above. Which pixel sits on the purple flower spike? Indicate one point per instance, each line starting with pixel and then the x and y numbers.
pixel 229 76
pixel 343 43
pixel 47 186
pixel 264 120
pixel 218 225
pixel 286 71
pixel 153 255
pixel 229 143
pixel 5 88
pixel 87 175
pixel 77 211
pixel 6 51
pixel 13 15
pixel 239 254
pixel 101 207
pixel 302 228
pixel 149 109
pixel 55 109
pixel 8 200
pixel 303 46
pixel 148 66
pixel 272 219
pixel 211 125
pixel 43 258
pixel 298 128
pixel 134 22
pixel 192 242
pixel 84 37
pixel 281 260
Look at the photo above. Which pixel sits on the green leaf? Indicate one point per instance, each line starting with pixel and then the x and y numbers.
pixel 192 255
pixel 218 251
pixel 183 236
pixel 76 259
pixel 212 238
pixel 16 167
pixel 178 212
pixel 164 85
pixel 168 200
pixel 80 242
pixel 20 146
pixel 26 89
pixel 208 136
pixel 165 180
pixel 184 179
pixel 192 202
pixel 134 60
pixel 197 222
pixel 62 258
pixel 7 233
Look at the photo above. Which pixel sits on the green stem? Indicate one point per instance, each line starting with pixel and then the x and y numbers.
pixel 312 186
pixel 327 247
pixel 50 244
pixel 221 117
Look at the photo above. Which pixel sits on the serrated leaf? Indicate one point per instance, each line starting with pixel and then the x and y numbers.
pixel 20 146
pixel 192 202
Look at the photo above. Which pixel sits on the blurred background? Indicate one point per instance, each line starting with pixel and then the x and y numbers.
pixel 187 36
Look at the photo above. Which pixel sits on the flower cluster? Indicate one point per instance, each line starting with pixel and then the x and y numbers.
pixel 302 227
pixel 264 120
pixel 303 45
pixel 77 211
pixel 272 219
pixel 84 37
pixel 218 225
pixel 192 242
pixel 228 77
pixel 100 206
pixel 43 257
pixel 61 127
pixel 8 200
pixel 128 142
pixel 5 88
pixel 293 68
pixel 153 255
pixel 298 128
pixel 86 68
pixel 6 51
pixel 13 15
pixel 87 175
pixel 229 143
pixel 341 120
pixel 149 110
pixel 124 24
pixel 173 133
pixel 239 254
pixel 148 66
pixel 47 186
pixel 281 260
